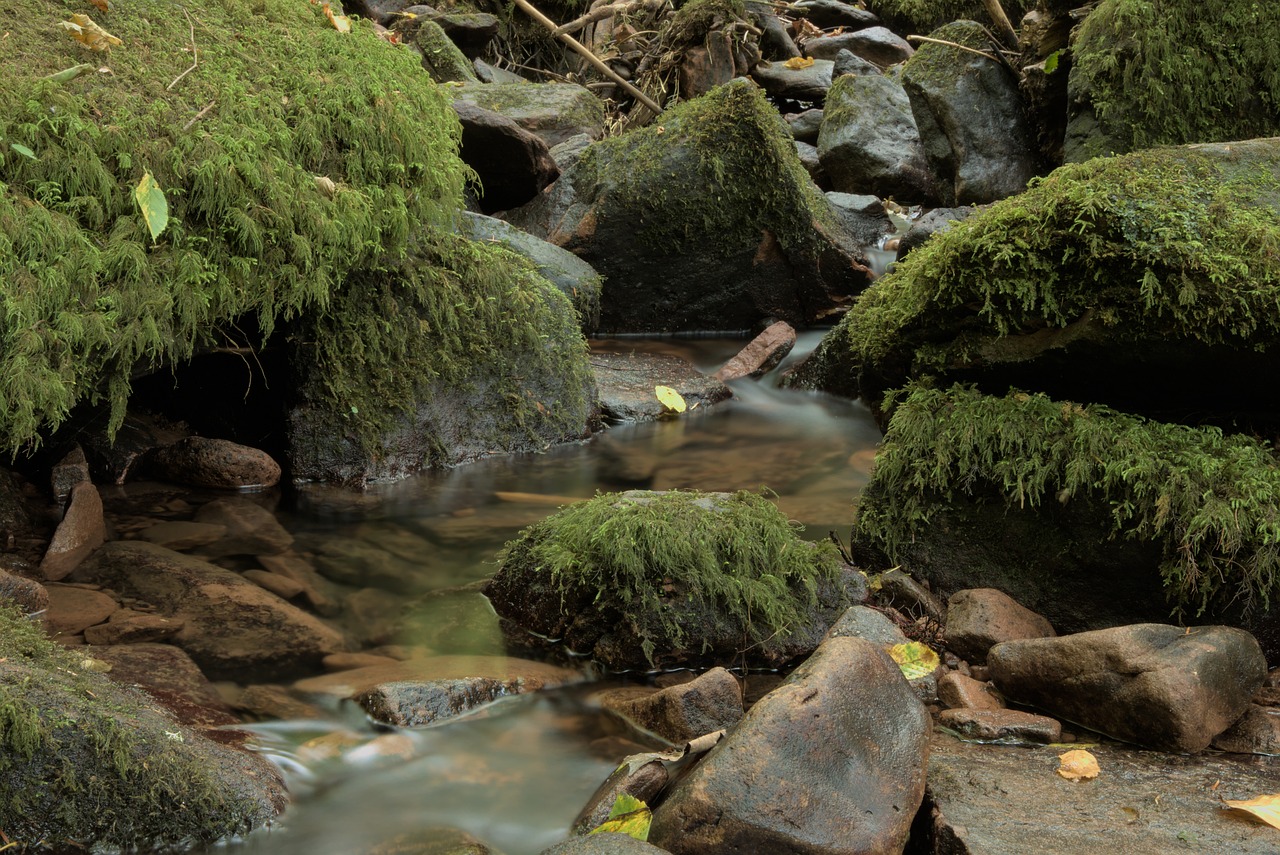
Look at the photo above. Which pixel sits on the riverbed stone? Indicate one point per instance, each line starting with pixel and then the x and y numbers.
pixel 25 593
pixel 807 84
pixel 218 463
pixel 183 535
pixel 832 761
pixel 126 626
pixel 1165 687
pixel 625 383
pixel 995 725
pixel 1255 732
pixel 711 702
pixel 761 355
pixel 513 164
pixel 69 471
pixel 605 843
pixel 929 224
pixel 169 675
pixel 250 528
pixel 82 530
pixel 640 776
pixel 878 45
pixel 437 840
pixel 805 126
pixel 358 562
pixel 72 608
pixel 553 111
pixel 958 691
pixel 980 618
pixel 866 622
pixel 322 595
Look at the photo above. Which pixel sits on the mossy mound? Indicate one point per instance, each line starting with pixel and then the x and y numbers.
pixel 1178 71
pixel 923 16
pixel 644 579
pixel 1189 509
pixel 1149 281
pixel 236 142
pixel 87 762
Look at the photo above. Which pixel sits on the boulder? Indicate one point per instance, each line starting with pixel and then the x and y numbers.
pixel 673 584
pixel 1001 725
pixel 832 761
pixel 680 713
pixel 441 58
pixel 833 13
pixel 970 118
pixel 808 84
pixel 703 220
pixel 706 66
pixel 513 165
pixel 877 45
pixel 866 622
pixel 1165 687
pixel 625 384
pixel 1255 732
pixel 168 675
pixel 199 461
pixel 980 618
pixel 553 111
pixel 848 62
pixel 73 608
pixel 805 126
pixel 82 530
pixel 927 225
pixel 761 355
pixel 24 593
pixel 864 216
pixel 69 471
pixel 957 691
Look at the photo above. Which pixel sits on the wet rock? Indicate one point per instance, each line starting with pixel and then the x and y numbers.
pixel 1255 732
pixel 72 608
pixel 980 618
pixel 432 841
pixel 707 66
pixel 69 471
pixel 804 126
pixel 607 843
pixel 183 535
pixel 934 222
pixel 218 463
pixel 970 117
pixel 513 164
pixel 640 776
pixel 168 674
pixel 761 355
pixel 874 44
pixel 350 661
pixel 904 592
pixel 807 85
pixel 833 13
pixel 267 701
pixel 373 616
pixel 863 216
pixel 27 594
pixel 356 562
pixel 231 626
pixel 866 622
pixel 996 800
pixel 680 713
pixel 960 692
pixel 251 528
pixel 625 384
pixel 113 460
pixel 830 762
pixel 280 585
pixel 553 111
pixel 1165 687
pixel 993 725
pixel 319 593
pixel 126 626
pixel 82 530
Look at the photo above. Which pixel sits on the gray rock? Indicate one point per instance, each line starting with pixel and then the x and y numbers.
pixel 776 43
pixel 513 164
pixel 1001 725
pixel 470 31
pixel 848 62
pixel 832 761
pixel 877 45
pixel 980 618
pixel 862 215
pixel 934 222
pixel 82 530
pixel 833 13
pixel 1162 686
pixel 970 118
pixel 491 74
pixel 866 622
pixel 566 153
pixel 625 383
pixel 553 111
pixel 808 84
pixel 202 462
pixel 682 712
pixel 812 163
pixel 804 126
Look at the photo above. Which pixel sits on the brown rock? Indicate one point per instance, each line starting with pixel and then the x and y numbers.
pixel 167 674
pixel 960 692
pixel 1255 732
pixel 27 594
pixel 980 618
pixel 81 531
pixel 71 470
pixel 321 594
pixel 183 535
pixel 270 701
pixel 350 661
pixel 281 586
pixel 72 608
pixel 761 355
pixel 991 725
pixel 126 626
pixel 683 712
pixel 251 528
pixel 218 463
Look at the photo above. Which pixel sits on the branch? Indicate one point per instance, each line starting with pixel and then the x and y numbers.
pixel 198 116
pixel 195 54
pixel 954 45
pixel 996 11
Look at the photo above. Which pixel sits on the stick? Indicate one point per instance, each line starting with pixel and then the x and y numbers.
pixel 996 11
pixel 598 13
pixel 590 57
pixel 943 42
pixel 198 116
pixel 195 54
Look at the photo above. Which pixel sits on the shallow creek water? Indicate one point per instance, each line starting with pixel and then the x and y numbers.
pixel 516 773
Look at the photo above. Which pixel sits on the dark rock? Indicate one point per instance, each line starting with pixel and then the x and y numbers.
pixel 680 713
pixel 566 153
pixel 490 74
pixel 830 762
pixel 761 355
pixel 441 58
pixel 470 31
pixel 15 520
pixel 82 530
pixel 1160 686
pixel 167 674
pixel 707 66
pixel 201 462
pixel 250 528
pixel 832 13
pixel 513 164
pixel 996 725
pixel 27 594
pixel 126 626
pixel 603 844
pixel 626 381
pixel 980 618
pixel 906 593
pixel 960 692
pixel 1255 732
pixel 553 111
pixel 812 163
pixel 807 85
pixel 776 43
pixel 804 126
pixel 848 62
pixel 934 222
pixel 862 215
pixel 69 471
pixel 877 45
pixel 381 11
pixel 112 459
pixel 639 776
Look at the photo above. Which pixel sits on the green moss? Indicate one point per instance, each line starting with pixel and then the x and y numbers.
pixel 1212 501
pixel 693 20
pixel 88 762
pixel 1179 71
pixel 440 56
pixel 735 553
pixel 86 294
pixel 921 16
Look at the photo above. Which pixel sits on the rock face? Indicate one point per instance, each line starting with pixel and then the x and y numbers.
pixel 553 111
pixel 970 117
pixel 704 220
pixel 832 762
pixel 980 618
pixel 513 164
pixel 1165 687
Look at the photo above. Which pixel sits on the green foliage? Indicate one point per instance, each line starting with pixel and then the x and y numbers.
pixel 735 553
pixel 922 16
pixel 1180 71
pixel 251 236
pixel 1212 501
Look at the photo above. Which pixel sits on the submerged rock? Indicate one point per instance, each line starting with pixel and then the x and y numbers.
pixel 626 382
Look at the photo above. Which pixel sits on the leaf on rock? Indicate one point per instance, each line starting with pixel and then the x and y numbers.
pixel 1264 808
pixel 915 659
pixel 341 23
pixel 84 30
pixel 670 399
pixel 798 62
pixel 1078 765
pixel 628 816
pixel 155 208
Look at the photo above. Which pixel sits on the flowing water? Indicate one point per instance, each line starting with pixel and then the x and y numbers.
pixel 516 773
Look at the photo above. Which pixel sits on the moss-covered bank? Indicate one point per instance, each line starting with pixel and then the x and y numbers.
pixel 1211 502
pixel 87 762
pixel 923 16
pixel 277 98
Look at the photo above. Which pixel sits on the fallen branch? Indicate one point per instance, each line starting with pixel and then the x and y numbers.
pixel 954 45
pixel 597 13
pixel 195 54
pixel 198 116
pixel 996 11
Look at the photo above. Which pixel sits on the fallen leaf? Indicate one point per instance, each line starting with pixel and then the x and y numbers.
pixel 670 399
pixel 101 4
pixel 23 150
pixel 628 816
pixel 155 208
pixel 798 62
pixel 915 659
pixel 341 23
pixel 1078 765
pixel 68 74
pixel 84 30
pixel 1264 808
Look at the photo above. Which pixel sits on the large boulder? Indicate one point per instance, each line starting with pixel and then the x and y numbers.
pixel 98 766
pixel 703 220
pixel 829 763
pixel 647 579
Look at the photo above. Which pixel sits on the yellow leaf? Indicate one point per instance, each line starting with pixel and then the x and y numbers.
pixel 1078 766
pixel 798 62
pixel 155 208
pixel 670 399
pixel 341 23
pixel 1265 808
pixel 628 816
pixel 84 30
pixel 915 659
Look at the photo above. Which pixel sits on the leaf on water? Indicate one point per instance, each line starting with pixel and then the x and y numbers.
pixel 670 399
pixel 1078 765
pixel 155 208
pixel 84 30
pixel 798 62
pixel 1264 808
pixel 628 816
pixel 341 23
pixel 1051 62
pixel 23 150
pixel 915 659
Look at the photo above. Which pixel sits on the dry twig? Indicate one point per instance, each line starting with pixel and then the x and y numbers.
pixel 195 54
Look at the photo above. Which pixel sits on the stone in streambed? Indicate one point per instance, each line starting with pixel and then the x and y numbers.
pixel 761 355
pixel 980 618
pixel 682 712
pixel 202 462
pixel 993 725
pixel 82 530
pixel 625 384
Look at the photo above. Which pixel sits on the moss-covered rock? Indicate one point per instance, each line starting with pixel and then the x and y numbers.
pixel 644 579
pixel 236 142
pixel 922 16
pixel 1088 515
pixel 703 220
pixel 90 763
pixel 1178 71
pixel 1149 282
pixel 553 111
pixel 442 59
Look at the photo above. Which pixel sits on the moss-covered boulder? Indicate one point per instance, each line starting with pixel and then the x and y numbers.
pixel 1089 516
pixel 1178 71
pixel 650 580
pixel 1149 282
pixel 89 763
pixel 553 111
pixel 922 16
pixel 705 219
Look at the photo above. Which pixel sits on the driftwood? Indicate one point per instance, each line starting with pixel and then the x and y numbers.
pixel 602 12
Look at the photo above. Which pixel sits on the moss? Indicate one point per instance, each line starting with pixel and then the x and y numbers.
pixel 88 762
pixel 87 295
pixel 1179 71
pixel 440 56
pixel 693 20
pixel 1211 501
pixel 921 16
pixel 737 554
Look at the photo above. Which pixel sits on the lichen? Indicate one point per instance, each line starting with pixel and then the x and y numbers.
pixel 1212 501
pixel 1178 71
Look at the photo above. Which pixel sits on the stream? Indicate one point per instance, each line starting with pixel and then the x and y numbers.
pixel 516 772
